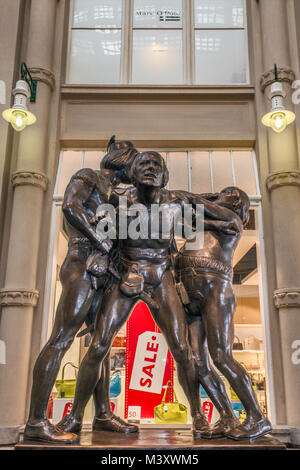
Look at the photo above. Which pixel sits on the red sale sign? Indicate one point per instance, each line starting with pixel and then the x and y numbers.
pixel 149 365
pixel 68 408
pixel 208 408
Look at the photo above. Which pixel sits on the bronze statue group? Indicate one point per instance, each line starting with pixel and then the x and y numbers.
pixel 189 293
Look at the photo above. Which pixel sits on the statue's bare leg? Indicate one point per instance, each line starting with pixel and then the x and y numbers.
pixel 77 295
pixel 208 377
pixel 172 321
pixel 104 418
pixel 115 309
pixel 218 320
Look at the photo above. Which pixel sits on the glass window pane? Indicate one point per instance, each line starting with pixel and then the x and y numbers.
pixel 97 14
pixel 222 170
pixel 95 56
pixel 157 57
pixel 92 159
pixel 178 170
pixel 200 172
pixel 220 57
pixel 157 14
pixel 71 162
pixel 219 13
pixel 244 172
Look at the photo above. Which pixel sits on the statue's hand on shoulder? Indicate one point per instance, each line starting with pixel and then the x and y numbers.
pixel 228 228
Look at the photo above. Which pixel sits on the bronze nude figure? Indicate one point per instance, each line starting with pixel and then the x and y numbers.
pixel 206 273
pixel 86 190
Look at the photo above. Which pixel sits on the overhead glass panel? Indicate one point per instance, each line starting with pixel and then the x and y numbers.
pixel 244 172
pixel 157 57
pixel 219 13
pixel 208 171
pixel 157 14
pixel 211 47
pixel 200 172
pixel 92 159
pixel 221 170
pixel 95 56
pixel 71 162
pixel 97 14
pixel 178 170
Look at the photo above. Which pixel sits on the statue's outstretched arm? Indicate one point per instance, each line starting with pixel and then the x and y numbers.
pixel 211 209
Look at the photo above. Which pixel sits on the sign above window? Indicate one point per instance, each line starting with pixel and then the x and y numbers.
pixel 157 14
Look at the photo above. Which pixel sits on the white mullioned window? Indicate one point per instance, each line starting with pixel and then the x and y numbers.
pixel 198 171
pixel 158 42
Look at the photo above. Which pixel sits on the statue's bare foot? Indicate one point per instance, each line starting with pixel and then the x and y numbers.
pixel 69 424
pixel 250 429
pixel 44 431
pixel 200 425
pixel 225 423
pixel 114 424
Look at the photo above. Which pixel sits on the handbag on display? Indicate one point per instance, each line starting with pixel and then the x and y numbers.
pixel 66 387
pixel 115 384
pixel 237 345
pixel 171 412
pixel 252 343
pixel 118 360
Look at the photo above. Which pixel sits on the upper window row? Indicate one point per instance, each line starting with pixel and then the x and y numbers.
pixel 198 171
pixel 163 42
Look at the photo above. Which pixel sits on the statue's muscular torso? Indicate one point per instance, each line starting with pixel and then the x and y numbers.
pixel 167 198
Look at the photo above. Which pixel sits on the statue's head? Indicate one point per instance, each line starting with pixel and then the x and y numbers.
pixel 237 200
pixel 119 158
pixel 150 169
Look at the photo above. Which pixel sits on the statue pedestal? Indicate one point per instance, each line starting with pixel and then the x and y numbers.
pixel 153 440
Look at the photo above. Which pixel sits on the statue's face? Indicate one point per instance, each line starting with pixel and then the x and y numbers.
pixel 228 198
pixel 149 170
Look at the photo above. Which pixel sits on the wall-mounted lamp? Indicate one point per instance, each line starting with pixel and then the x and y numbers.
pixel 279 117
pixel 18 115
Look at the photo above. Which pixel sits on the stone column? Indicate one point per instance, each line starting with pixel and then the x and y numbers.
pixel 19 295
pixel 283 184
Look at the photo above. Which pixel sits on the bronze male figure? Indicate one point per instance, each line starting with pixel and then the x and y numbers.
pixel 206 273
pixel 86 191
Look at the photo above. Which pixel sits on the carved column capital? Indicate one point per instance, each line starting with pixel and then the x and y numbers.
pixel 287 297
pixel 33 178
pixel 285 74
pixel 43 75
pixel 10 296
pixel 283 178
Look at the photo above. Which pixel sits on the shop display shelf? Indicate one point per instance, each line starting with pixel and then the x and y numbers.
pixel 256 351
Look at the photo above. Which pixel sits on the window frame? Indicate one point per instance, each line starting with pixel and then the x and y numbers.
pixel 244 28
pixel 188 48
pixel 254 198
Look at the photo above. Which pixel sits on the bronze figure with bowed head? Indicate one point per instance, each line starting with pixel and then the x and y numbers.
pixel 206 273
pixel 81 287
